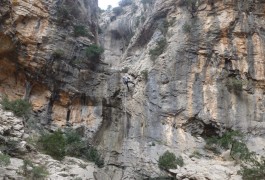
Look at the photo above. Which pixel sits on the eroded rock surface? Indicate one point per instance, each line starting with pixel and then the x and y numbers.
pixel 208 77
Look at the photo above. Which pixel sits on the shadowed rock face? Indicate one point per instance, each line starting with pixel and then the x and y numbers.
pixel 208 75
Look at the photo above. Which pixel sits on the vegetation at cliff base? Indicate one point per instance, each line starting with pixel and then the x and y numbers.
pixel 253 169
pixel 31 171
pixel 53 144
pixel 169 161
pixel 252 165
pixel 93 155
pixel 4 160
pixel 19 107
pixel 226 140
pixel 59 144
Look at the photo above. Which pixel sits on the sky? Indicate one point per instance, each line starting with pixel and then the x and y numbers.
pixel 103 4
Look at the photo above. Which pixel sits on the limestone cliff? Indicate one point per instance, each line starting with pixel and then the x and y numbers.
pixel 198 71
pixel 197 74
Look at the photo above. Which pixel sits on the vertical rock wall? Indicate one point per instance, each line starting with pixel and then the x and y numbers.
pixel 208 78
pixel 196 74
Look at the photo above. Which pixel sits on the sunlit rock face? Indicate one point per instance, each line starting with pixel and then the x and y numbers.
pixel 196 74
pixel 39 54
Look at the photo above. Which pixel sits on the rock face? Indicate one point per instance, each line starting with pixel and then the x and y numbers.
pixel 208 77
pixel 197 73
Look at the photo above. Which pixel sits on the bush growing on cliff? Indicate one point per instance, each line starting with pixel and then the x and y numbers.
pixel 253 169
pixel 58 53
pixel 4 160
pixel 159 49
pixel 144 74
pixel 53 144
pixel 80 30
pixel 252 166
pixel 30 171
pixel 94 51
pixel 169 161
pixel 19 107
pixel 63 13
pixel 216 143
pixel 235 84
pixel 59 144
pixel 93 155
pixel 186 28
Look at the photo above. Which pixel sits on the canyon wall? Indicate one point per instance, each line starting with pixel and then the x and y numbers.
pixel 197 73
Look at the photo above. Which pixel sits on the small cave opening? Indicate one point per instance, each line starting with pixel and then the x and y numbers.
pixel 197 127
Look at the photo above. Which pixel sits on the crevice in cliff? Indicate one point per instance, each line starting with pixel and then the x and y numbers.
pixel 196 126
pixel 53 98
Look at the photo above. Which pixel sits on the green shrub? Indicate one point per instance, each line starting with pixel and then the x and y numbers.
pixel 39 172
pixel 253 169
pixel 74 144
pixel 169 161
pixel 72 136
pixel 4 160
pixel 123 3
pixel 117 11
pixel 80 30
pixel 163 26
pixel 186 28
pixel 159 49
pixel 53 144
pixel 19 107
pixel 240 151
pixel 58 145
pixel 180 161
pixel 226 140
pixel 78 61
pixel 235 84
pixel 33 172
pixel 94 51
pixel 58 53
pixel 63 13
pixel 144 74
pixel 196 154
pixel 93 155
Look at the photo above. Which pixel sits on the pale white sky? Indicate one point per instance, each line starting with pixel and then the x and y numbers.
pixel 103 4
